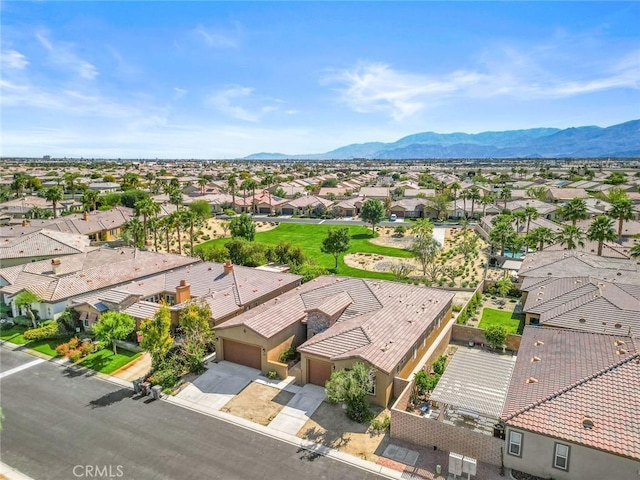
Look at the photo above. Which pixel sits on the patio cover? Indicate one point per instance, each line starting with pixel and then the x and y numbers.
pixel 476 381
pixel 511 265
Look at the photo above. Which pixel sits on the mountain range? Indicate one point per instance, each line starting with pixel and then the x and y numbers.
pixel 616 141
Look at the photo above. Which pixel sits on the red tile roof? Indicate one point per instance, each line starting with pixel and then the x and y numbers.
pixel 564 377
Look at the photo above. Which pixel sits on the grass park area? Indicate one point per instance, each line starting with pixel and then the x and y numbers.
pixel 310 237
pixel 13 335
pixel 512 322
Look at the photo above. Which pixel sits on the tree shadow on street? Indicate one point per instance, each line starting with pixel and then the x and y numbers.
pixel 110 398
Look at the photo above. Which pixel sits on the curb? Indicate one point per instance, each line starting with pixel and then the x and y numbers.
pixel 11 473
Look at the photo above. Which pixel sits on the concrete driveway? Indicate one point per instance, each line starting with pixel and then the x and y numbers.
pixel 295 414
pixel 219 384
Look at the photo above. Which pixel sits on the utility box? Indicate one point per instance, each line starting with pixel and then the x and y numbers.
pixel 469 466
pixel 455 463
pixel 156 392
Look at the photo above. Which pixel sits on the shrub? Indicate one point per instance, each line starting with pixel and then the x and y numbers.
pixel 166 378
pixel 75 355
pixel 272 374
pixel 229 212
pixel 495 335
pixel 62 349
pixel 381 425
pixel 456 307
pixel 86 349
pixel 287 355
pixel 438 365
pixel 46 331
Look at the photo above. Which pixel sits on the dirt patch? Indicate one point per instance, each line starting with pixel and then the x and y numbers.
pixel 471 272
pixel 330 426
pixel 213 228
pixel 258 403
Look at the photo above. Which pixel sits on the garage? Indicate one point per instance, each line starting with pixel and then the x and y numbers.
pixel 287 211
pixel 266 210
pixel 243 354
pixel 318 372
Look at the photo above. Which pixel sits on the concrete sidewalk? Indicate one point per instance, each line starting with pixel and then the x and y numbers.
pixel 297 412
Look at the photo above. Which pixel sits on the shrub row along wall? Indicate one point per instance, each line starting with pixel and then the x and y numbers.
pixel 429 433
pixel 465 334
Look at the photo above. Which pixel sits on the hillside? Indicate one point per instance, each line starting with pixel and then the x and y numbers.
pixel 622 140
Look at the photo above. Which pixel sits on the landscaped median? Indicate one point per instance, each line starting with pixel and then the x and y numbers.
pixel 102 360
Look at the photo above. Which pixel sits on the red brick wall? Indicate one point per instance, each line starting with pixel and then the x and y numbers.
pixel 429 433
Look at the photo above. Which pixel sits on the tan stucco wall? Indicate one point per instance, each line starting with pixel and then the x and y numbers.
pixel 584 463
pixel 293 335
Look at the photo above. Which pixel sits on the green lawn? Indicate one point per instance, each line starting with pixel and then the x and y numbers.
pixel 13 335
pixel 104 361
pixel 48 347
pixel 310 237
pixel 509 320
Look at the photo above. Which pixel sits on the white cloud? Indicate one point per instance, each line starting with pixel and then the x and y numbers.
pixel 13 60
pixel 216 38
pixel 241 103
pixel 377 87
pixel 179 92
pixel 62 54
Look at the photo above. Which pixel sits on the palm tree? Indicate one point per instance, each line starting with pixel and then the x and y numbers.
pixel 531 213
pixel 571 236
pixel 165 226
pixel 175 197
pixel 520 217
pixel 487 199
pixel 474 194
pixel 175 221
pixel 601 230
pixel 250 184
pixel 130 180
pixel 501 233
pixel 464 195
pixel 19 182
pixel 54 195
pixel 70 181
pixel 267 181
pixel 202 182
pixel 505 194
pixel 133 231
pixel 232 183
pixel 90 199
pixel 153 224
pixel 574 210
pixel 454 187
pixel 539 192
pixel 541 236
pixel 622 210
pixel 147 208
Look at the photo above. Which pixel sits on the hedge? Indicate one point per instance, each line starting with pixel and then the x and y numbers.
pixel 45 332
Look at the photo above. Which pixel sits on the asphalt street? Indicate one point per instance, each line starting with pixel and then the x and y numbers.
pixel 60 424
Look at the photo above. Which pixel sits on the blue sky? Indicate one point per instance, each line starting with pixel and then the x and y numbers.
pixel 224 80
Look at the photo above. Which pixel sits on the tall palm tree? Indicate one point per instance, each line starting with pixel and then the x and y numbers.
pixel 175 197
pixel 487 199
pixel 250 184
pixel 454 187
pixel 153 224
pixel 202 182
pixel 70 181
pixel 190 220
pixel 622 210
pixel 19 183
pixel 541 236
pixel 232 183
pixel 54 195
pixel 571 236
pixel 474 194
pixel 505 194
pixel 90 199
pixel 175 220
pixel 520 217
pixel 267 181
pixel 601 230
pixel 531 213
pixel 133 231
pixel 574 210
pixel 464 195
pixel 165 227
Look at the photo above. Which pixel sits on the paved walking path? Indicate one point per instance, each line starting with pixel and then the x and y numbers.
pixel 295 414
pixel 139 368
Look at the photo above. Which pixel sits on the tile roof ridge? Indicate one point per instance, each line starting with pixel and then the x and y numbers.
pixel 380 304
pixel 562 391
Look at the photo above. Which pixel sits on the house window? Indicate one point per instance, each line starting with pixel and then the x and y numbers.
pixel 86 323
pixel 372 376
pixel 415 351
pixel 561 456
pixel 515 443
pixel 170 299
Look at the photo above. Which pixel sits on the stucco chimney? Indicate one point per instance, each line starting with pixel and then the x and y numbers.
pixel 25 223
pixel 85 215
pixel 183 292
pixel 55 265
pixel 228 267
